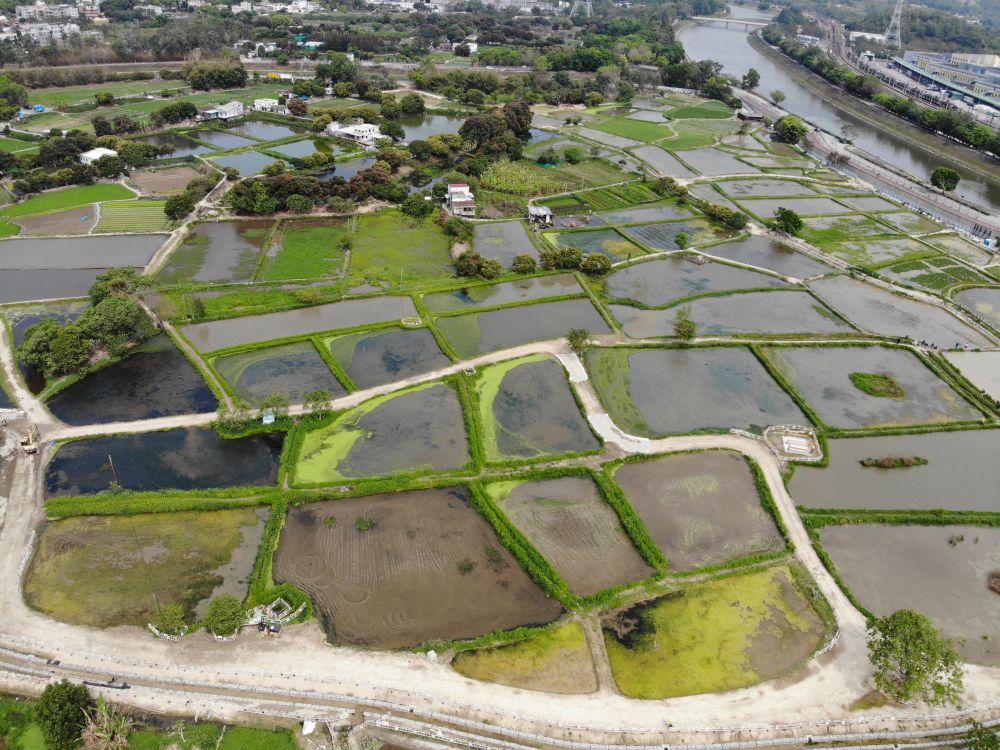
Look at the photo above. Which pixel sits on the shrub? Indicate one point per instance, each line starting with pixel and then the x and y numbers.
pixel 171 620
pixel 178 206
pixel 299 203
pixel 60 712
pixel 224 616
pixel 878 384
pixel 562 257
pixel 524 264
pixel 595 264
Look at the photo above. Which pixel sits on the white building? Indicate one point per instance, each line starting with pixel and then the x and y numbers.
pixel 270 105
pixel 150 10
pixel 358 131
pixel 89 157
pixel 459 200
pixel 224 112
pixel 46 34
pixel 41 11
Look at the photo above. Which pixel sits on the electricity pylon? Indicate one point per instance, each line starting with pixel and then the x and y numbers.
pixel 587 5
pixel 894 34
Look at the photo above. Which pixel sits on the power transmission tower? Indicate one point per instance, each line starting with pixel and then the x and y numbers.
pixel 587 5
pixel 893 34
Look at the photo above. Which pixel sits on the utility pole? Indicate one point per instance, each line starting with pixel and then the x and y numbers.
pixel 894 34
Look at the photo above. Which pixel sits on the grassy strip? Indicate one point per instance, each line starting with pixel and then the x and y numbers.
pixel 787 386
pixel 206 369
pixel 428 318
pixel 327 356
pixel 473 419
pixel 129 503
pixel 263 589
pixel 630 520
pixel 504 306
pixel 496 638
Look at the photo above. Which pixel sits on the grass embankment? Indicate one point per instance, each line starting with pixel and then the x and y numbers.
pixel 63 198
pixel 878 384
pixel 609 372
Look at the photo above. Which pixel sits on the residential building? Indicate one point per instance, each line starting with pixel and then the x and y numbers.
pixel 41 11
pixel 807 39
pixel 150 10
pixel 270 105
pixel 90 9
pixel 89 157
pixel 359 131
pixel 49 34
pixel 459 200
pixel 225 112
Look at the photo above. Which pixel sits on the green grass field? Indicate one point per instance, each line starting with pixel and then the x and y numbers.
pixel 63 96
pixel 133 216
pixel 703 111
pixel 8 230
pixel 56 200
pixel 638 130
pixel 307 252
pixel 17 147
pixel 388 244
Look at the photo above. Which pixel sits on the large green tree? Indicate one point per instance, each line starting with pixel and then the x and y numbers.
pixel 61 714
pixel 945 178
pixel 786 220
pixel 789 129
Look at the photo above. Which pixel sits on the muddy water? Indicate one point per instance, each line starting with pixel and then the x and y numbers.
pixel 25 286
pixel 985 303
pixel 982 369
pixel 235 574
pixel 418 127
pixel 521 290
pixel 185 459
pixel 504 241
pixel 182 146
pixel 765 253
pixel 293 370
pixel 248 163
pixel 940 571
pixel 962 473
pixel 78 252
pixel 155 380
pixel 265 131
pixel 223 251
pixel 379 357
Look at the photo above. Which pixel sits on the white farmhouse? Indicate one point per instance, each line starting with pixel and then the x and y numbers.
pixel 225 112
pixel 89 157
pixel 459 200
pixel 358 131
pixel 270 105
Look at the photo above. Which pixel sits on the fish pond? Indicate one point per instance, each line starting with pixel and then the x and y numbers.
pixel 418 127
pixel 26 286
pixel 247 163
pixel 220 138
pixel 503 240
pixel 872 386
pixel 71 253
pixel 700 508
pixel 528 410
pixel 221 251
pixel 961 473
pixel 184 459
pixel 293 370
pixel 417 430
pixel 21 319
pixel 302 149
pixel 182 146
pixel 570 523
pixel 939 571
pixel 984 302
pixel 478 333
pixel 394 571
pixel 716 389
pixel 154 380
pixel 770 255
pixel 265 131
pixel 377 357
pixel 488 295
pixel 661 281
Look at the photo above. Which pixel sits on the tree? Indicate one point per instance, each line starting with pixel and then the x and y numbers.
pixel 562 257
pixel 170 620
pixel 981 738
pixel 318 402
pixel 114 282
pixel 913 660
pixel 107 727
pixel 777 96
pixel 789 129
pixel 751 79
pixel 178 206
pixel 68 352
pixel 578 338
pixel 945 178
pixel 595 264
pixel 390 108
pixel 224 616
pixel 573 154
pixel 682 240
pixel 297 107
pixel 276 403
pixel 60 712
pixel 787 221
pixel 299 203
pixel 250 197
pixel 114 322
pixel 417 206
pixel 104 98
pixel 394 130
pixel 468 263
pixel 490 269
pixel 524 264
pixel 412 104
pixel 33 351
pixel 685 328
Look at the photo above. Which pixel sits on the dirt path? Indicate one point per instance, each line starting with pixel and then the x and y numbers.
pixel 598 654
pixel 25 399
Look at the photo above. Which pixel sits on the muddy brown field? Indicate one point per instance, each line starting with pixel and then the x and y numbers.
pixel 700 508
pixel 71 221
pixel 396 570
pixel 163 181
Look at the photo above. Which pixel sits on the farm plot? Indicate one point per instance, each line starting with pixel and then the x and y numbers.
pixel 635 131
pixel 619 196
pixel 941 571
pixel 605 241
pixel 877 252
pixel 503 241
pixel 163 181
pixel 870 203
pixel 507 292
pixel 185 459
pixel 910 223
pixel 709 110
pixel 889 314
pixel 961 473
pixel 79 220
pixel 765 187
pixel 133 216
pixel 103 571
pixel 934 274
pixel 306 249
pixel 663 161
pixel 348 313
pixel 78 252
pixel 663 235
pixel 293 370
pixel 662 212
pixel 658 282
pixel 825 231
pixel 984 302
pixel 723 387
pixel 388 243
pixel 417 430
pixel 478 333
pixel 376 357
pixel 569 522
pixel 700 508
pixel 712 162
pixel 960 247
pixel 728 314
pixel 15 146
pixel 719 635
pixel 527 410
pixel 765 207
pixel 72 197
pixel 556 661
pixel 743 142
pixel 394 571
pixel 771 256
pixel 222 251
pixel 857 387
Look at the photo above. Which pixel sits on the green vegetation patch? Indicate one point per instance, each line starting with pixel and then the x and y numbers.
pixel 619 196
pixel 609 371
pixel 705 111
pixel 305 250
pixel 132 216
pixel 554 661
pixel 713 636
pixel 8 230
pixel 203 736
pixel 73 197
pixel 638 130
pixel 387 245
pixel 877 384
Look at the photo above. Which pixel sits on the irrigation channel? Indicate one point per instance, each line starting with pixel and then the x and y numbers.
pixel 300 676
pixel 732 48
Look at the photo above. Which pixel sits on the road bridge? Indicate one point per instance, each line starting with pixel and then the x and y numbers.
pixel 735 23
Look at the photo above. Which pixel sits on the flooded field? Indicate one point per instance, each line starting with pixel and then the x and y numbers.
pixel 722 388
pixel 293 370
pixel 222 251
pixel 888 314
pixel 25 286
pixel 822 375
pixel 961 473
pixel 221 334
pixel 302 149
pixel 418 127
pixel 663 161
pixel 569 522
pixel 220 138
pixel 71 253
pixel 154 380
pixel 752 312
pixel 394 571
pixel 417 430
pixel 765 186
pixel 248 163
pixel 265 131
pixel 765 207
pixel 770 255
pixel 478 333
pixel 105 571
pixel 982 369
pixel 712 162
pixel 487 295
pixel 605 241
pixel 658 282
pixel 376 357
pixel 645 214
pixel 663 235
pixel 870 203
pixel 185 459
pixel 985 303
pixel 700 508
pixel 528 410
pixel 182 146
pixel 504 241
pixel 940 571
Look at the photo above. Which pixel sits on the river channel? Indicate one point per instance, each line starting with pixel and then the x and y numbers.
pixel 731 48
